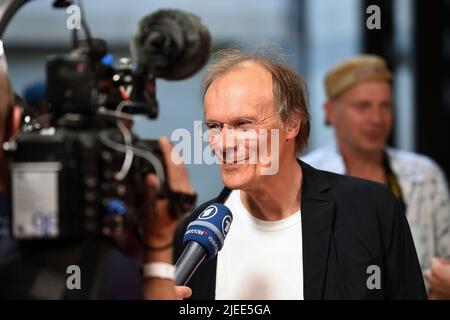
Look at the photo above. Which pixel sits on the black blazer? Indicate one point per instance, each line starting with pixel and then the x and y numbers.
pixel 348 224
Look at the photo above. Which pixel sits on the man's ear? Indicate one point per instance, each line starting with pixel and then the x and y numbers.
pixel 329 109
pixel 293 126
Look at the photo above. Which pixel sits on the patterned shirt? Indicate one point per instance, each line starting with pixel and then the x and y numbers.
pixel 424 190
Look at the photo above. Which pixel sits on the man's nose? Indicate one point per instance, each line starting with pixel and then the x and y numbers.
pixel 224 140
pixel 377 115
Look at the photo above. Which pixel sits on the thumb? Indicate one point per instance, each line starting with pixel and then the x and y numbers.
pixel 152 181
pixel 442 260
pixel 183 292
pixel 171 157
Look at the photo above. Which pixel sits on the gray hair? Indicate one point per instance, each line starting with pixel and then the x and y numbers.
pixel 289 89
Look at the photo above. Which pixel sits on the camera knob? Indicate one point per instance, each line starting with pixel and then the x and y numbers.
pixel 125 63
pixel 116 207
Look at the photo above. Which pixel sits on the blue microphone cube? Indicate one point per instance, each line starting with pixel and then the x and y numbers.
pixel 210 228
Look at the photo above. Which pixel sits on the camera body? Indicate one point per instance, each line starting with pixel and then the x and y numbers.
pixel 63 184
pixel 80 170
pixel 64 178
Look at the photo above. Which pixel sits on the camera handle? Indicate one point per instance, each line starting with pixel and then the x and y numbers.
pixel 7 10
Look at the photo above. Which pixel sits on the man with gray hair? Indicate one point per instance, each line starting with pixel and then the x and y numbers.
pixel 297 233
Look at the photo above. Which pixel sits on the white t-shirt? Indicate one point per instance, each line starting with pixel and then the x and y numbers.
pixel 260 259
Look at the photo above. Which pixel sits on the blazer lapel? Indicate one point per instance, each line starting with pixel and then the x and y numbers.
pixel 208 269
pixel 317 222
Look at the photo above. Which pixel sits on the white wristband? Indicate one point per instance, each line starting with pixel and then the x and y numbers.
pixel 161 270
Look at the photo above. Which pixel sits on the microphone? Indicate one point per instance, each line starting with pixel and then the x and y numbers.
pixel 203 239
pixel 172 44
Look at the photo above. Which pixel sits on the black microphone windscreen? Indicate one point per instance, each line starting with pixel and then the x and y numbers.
pixel 171 43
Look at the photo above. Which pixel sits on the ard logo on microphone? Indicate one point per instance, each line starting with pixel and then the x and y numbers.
pixel 226 223
pixel 209 212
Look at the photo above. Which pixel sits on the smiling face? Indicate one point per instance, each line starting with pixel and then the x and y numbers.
pixel 362 116
pixel 245 92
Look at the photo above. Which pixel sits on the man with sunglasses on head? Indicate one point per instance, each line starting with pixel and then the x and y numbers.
pixel 297 232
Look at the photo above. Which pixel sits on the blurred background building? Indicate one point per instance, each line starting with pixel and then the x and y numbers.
pixel 314 34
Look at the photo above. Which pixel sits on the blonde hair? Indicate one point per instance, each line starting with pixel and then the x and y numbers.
pixel 289 89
